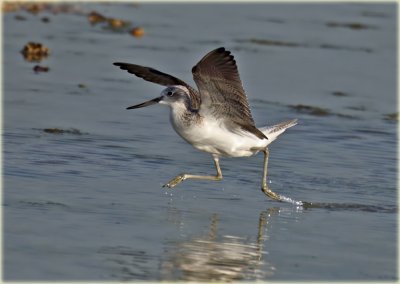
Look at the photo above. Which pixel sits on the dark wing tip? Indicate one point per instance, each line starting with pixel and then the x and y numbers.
pixel 223 51
pixel 215 56
pixel 218 63
pixel 255 131
pixel 152 75
pixel 123 66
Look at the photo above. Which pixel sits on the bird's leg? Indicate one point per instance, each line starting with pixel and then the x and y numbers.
pixel 183 177
pixel 264 185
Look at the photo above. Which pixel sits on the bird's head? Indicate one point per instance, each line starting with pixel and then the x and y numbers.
pixel 173 96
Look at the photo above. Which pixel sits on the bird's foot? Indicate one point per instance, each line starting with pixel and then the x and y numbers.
pixel 268 192
pixel 173 182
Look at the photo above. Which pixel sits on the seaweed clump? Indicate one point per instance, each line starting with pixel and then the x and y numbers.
pixel 312 110
pixel 115 24
pixel 63 131
pixel 392 116
pixel 35 52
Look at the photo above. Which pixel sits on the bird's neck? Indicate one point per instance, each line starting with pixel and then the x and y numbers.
pixel 182 113
pixel 188 104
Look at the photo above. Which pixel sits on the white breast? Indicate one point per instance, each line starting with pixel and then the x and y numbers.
pixel 211 136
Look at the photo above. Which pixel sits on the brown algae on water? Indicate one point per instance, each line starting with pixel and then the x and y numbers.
pixel 95 18
pixel 352 26
pixel 312 110
pixel 137 32
pixel 114 24
pixel 339 94
pixel 63 131
pixel 35 52
pixel 274 42
pixel 118 24
pixel 38 7
pixel 392 116
pixel 38 69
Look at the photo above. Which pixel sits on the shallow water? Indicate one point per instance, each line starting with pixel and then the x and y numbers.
pixel 88 204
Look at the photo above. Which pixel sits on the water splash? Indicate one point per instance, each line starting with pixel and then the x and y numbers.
pixel 292 201
pixel 341 206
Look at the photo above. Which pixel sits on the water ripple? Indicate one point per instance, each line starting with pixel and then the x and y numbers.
pixel 351 207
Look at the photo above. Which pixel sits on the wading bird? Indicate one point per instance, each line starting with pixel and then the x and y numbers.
pixel 216 118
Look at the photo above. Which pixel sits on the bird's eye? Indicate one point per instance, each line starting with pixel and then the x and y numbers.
pixel 169 93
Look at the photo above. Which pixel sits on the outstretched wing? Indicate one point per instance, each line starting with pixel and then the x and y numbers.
pixel 217 78
pixel 158 77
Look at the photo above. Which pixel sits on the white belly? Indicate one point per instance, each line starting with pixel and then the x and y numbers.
pixel 209 136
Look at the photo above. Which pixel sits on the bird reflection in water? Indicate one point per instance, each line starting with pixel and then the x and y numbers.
pixel 215 258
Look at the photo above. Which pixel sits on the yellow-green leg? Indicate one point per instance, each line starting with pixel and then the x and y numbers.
pixel 264 185
pixel 178 179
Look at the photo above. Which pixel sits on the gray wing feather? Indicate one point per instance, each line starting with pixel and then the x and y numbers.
pixel 158 77
pixel 217 78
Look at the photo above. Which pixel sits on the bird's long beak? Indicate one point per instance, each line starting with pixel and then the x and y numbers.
pixel 145 104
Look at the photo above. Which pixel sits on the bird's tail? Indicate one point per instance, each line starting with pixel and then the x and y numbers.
pixel 272 132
